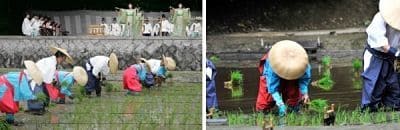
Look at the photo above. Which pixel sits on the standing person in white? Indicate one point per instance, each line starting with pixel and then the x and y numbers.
pixel 165 26
pixel 147 28
pixel 116 28
pixel 27 25
pixel 35 26
pixel 106 27
pixel 156 28
pixel 195 28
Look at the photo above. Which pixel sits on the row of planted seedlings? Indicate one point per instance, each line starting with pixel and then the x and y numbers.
pixel 317 112
pixel 166 109
pixel 314 118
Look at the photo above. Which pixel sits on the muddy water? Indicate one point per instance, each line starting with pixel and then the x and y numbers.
pixel 342 92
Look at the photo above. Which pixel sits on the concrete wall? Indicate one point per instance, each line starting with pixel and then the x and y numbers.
pixel 77 21
pixel 186 52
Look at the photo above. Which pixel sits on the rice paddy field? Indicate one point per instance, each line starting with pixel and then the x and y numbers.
pixel 174 106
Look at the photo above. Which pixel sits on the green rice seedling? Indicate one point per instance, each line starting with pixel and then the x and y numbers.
pixel 237 92
pixel 318 105
pixel 237 82
pixel 325 83
pixel 215 59
pixel 4 125
pixel 109 87
pixel 236 78
pixel 41 97
pixel 326 61
pixel 169 75
pixel 357 65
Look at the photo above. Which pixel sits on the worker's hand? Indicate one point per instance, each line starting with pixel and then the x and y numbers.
pixel 386 48
pixel 282 110
pixel 306 99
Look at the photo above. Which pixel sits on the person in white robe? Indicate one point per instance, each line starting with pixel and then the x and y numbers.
pixel 27 25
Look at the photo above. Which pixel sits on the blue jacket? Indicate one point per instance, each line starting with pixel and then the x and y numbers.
pixel 273 81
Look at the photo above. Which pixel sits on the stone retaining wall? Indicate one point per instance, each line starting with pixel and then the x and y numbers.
pixel 186 52
pixel 245 51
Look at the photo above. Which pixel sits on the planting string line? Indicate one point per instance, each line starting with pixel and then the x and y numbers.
pixel 159 95
pixel 170 124
pixel 161 102
pixel 133 113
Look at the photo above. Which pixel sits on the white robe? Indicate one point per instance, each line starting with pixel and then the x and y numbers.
pixel 147 28
pixel 48 68
pixel 154 65
pixel 377 38
pixel 100 65
pixel 35 27
pixel 165 26
pixel 27 27
pixel 156 29
pixel 116 29
pixel 106 29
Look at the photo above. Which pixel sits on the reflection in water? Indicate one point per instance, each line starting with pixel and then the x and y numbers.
pixel 342 93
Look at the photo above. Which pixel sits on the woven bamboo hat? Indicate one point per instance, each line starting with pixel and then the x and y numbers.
pixel 288 59
pixel 64 51
pixel 113 63
pixel 169 63
pixel 80 75
pixel 33 71
pixel 390 10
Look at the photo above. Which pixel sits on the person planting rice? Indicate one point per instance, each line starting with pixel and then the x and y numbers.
pixel 47 67
pixel 159 68
pixel 15 87
pixel 147 72
pixel 97 68
pixel 65 80
pixel 212 102
pixel 135 75
pixel 381 85
pixel 286 74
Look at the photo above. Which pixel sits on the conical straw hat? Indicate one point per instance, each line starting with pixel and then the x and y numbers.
pixel 33 71
pixel 55 49
pixel 169 63
pixel 80 75
pixel 390 11
pixel 113 63
pixel 288 59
